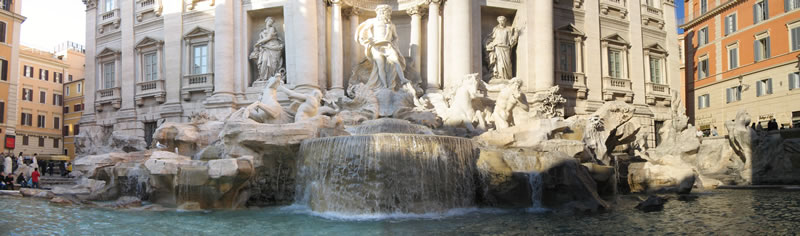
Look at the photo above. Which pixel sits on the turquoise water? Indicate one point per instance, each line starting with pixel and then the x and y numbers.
pixel 722 212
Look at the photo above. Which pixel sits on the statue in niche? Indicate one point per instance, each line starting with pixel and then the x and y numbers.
pixel 267 51
pixel 498 47
pixel 509 97
pixel 379 37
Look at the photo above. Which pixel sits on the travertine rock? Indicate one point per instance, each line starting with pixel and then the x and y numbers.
pixel 669 175
pixel 507 180
pixel 188 138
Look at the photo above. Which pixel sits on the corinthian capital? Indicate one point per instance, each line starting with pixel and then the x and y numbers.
pixel 415 10
pixel 439 2
pixel 352 11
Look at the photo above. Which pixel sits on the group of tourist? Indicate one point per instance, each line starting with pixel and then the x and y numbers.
pixel 13 174
pixel 756 126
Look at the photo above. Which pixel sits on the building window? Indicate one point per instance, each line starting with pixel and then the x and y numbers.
pixel 108 75
pixel 789 5
pixel 200 59
pixel 109 4
pixel 2 32
pixel 794 80
pixel 730 24
pixel 763 87
pixel 150 67
pixel 40 120
pixel 733 57
pixel 2 112
pixel 65 131
pixel 26 119
pixel 41 141
pixel 56 141
pixel 42 97
pixel 58 100
pixel 702 36
pixel 761 49
pixel 56 122
pixel 24 140
pixel 4 68
pixel 27 71
pixel 566 56
pixel 66 109
pixel 27 94
pixel 69 77
pixel 702 69
pixel 614 63
pixel 794 37
pixel 703 6
pixel 7 5
pixel 79 88
pixel 760 11
pixel 703 101
pixel 655 70
pixel 733 94
pixel 67 91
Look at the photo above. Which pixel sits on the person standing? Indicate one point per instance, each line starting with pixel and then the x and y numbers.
pixel 714 132
pixel 35 178
pixel 50 168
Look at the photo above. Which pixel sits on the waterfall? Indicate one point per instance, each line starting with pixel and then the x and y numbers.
pixel 387 173
pixel 389 125
pixel 135 182
pixel 535 182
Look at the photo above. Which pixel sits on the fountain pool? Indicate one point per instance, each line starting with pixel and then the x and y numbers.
pixel 725 212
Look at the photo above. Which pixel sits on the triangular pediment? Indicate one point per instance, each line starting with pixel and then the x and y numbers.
pixel 107 52
pixel 656 47
pixel 198 32
pixel 616 38
pixel 571 30
pixel 147 41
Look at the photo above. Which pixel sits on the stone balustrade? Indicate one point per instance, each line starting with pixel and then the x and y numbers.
pixel 145 6
pixel 109 95
pixel 154 88
pixel 108 17
pixel 572 80
pixel 652 11
pixel 197 83
pixel 655 92
pixel 617 86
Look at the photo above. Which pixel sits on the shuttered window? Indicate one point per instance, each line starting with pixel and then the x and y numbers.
pixel 730 24
pixel 795 35
pixel 794 81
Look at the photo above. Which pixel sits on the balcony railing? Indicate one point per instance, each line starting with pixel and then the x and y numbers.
pixel 153 88
pixel 109 95
pixel 572 80
pixel 656 92
pixel 652 11
pixel 108 17
pixel 616 84
pixel 145 6
pixel 197 83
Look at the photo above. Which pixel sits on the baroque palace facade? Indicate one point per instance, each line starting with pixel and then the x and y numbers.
pixel 150 61
pixel 742 55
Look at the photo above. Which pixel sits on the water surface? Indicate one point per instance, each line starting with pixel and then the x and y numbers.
pixel 722 212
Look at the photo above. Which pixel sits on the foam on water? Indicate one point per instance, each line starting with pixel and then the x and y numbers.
pixel 304 209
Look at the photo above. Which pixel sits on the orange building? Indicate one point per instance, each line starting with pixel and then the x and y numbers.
pixel 742 55
pixel 40 100
pixel 10 21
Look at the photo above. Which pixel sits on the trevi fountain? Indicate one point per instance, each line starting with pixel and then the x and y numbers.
pixel 386 156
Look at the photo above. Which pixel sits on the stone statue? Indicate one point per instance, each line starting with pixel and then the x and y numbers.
pixel 456 108
pixel 267 51
pixel 498 47
pixel 308 105
pixel 267 110
pixel 379 37
pixel 509 97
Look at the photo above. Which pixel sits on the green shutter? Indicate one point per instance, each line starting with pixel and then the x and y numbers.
pixel 756 51
pixel 769 86
pixel 767 50
pixel 791 81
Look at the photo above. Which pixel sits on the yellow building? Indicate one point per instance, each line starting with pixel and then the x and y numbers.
pixel 10 21
pixel 40 101
pixel 73 55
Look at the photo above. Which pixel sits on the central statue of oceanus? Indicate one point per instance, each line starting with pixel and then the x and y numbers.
pixel 379 37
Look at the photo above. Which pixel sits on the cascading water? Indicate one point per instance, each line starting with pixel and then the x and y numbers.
pixel 388 125
pixel 535 182
pixel 135 182
pixel 387 173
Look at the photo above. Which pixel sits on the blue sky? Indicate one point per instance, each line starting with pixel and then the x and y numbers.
pixel 679 13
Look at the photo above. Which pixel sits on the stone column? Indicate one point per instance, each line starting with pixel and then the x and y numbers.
pixel 302 65
pixel 544 43
pixel 458 34
pixel 416 36
pixel 90 71
pixel 223 49
pixel 337 48
pixel 173 45
pixel 357 52
pixel 433 52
